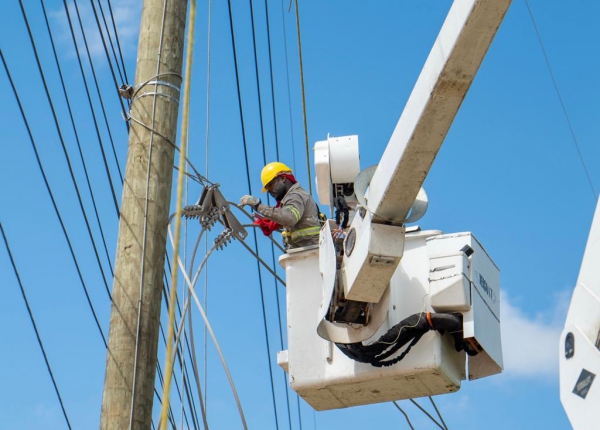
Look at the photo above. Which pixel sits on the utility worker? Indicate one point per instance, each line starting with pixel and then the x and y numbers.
pixel 296 210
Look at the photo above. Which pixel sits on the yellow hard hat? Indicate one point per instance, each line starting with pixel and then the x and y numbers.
pixel 270 171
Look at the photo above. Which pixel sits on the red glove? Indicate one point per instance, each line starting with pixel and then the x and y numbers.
pixel 266 225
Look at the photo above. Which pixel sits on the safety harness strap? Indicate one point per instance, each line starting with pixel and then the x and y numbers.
pixel 410 330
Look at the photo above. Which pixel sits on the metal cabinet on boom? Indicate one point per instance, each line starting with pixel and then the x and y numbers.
pixel 420 314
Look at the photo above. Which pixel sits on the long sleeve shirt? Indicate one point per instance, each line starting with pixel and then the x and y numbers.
pixel 298 213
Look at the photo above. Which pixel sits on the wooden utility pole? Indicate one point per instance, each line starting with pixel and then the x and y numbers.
pixel 144 216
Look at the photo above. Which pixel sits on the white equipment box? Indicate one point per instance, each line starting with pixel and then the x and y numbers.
pixel 327 379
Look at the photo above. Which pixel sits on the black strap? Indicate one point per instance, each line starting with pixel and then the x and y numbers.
pixel 410 330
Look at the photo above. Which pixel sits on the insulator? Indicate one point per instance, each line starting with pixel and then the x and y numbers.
pixel 192 211
pixel 222 239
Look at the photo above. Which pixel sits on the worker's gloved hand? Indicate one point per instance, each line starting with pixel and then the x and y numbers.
pixel 250 201
pixel 337 234
pixel 266 225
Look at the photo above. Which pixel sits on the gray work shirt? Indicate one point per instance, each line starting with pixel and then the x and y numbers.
pixel 298 214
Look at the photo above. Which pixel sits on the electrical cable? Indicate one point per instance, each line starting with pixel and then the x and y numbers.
pixel 101 100
pixel 299 412
pixel 246 158
pixel 95 121
pixel 70 110
pixel 114 25
pixel 562 103
pixel 157 395
pixel 428 414
pixel 32 319
pixel 191 283
pixel 64 148
pixel 223 362
pixel 110 65
pixel 272 80
pixel 405 415
pixel 292 141
pixel 60 219
pixel 287 76
pixel 160 374
pixel 303 98
pixel 438 412
pixel 110 40
pixel 262 132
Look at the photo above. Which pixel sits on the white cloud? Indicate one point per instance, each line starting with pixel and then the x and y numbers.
pixel 127 19
pixel 530 341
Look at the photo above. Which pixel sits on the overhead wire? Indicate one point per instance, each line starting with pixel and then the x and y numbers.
pixel 428 414
pixel 116 33
pixel 93 70
pixel 276 134
pixel 262 133
pixel 249 182
pixel 303 97
pixel 84 164
pixel 183 369
pixel 220 353
pixel 35 329
pixel 438 412
pixel 95 121
pixel 64 147
pixel 267 25
pixel 83 209
pixel 404 413
pixel 120 66
pixel 287 77
pixel 110 64
pixel 191 283
pixel 562 103
pixel 293 146
pixel 53 200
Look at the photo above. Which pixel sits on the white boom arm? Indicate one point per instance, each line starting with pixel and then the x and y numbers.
pixel 442 85
pixel 579 356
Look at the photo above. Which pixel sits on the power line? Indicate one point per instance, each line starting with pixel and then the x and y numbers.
pixel 95 121
pixel 62 224
pixel 112 45
pixel 93 75
pixel 77 138
pixel 405 415
pixel 438 412
pixel 32 319
pixel 105 52
pixel 303 98
pixel 562 103
pixel 112 16
pixel 250 191
pixel 260 111
pixel 287 75
pixel 64 148
pixel 271 78
pixel 428 414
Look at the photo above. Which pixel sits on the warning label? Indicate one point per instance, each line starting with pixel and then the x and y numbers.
pixel 582 387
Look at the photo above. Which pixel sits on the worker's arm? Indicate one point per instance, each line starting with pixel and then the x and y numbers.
pixel 288 214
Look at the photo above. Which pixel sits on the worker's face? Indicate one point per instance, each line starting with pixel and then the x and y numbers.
pixel 277 188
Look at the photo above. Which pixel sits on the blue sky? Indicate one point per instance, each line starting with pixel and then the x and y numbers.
pixel 509 171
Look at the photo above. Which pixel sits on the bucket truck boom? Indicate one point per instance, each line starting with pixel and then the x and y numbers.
pixel 579 348
pixel 384 273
